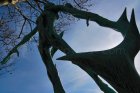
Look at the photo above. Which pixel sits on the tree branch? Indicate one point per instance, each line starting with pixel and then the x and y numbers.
pixel 116 25
pixel 15 49
pixel 44 25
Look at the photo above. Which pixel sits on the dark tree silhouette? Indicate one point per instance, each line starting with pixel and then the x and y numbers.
pixel 115 65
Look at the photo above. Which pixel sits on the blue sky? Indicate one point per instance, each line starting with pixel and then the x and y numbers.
pixel 29 73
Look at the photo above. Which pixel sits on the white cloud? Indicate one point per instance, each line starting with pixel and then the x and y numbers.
pixel 137 62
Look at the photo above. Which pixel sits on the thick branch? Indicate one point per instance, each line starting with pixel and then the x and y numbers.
pixel 44 25
pixel 51 70
pixel 85 15
pixel 89 16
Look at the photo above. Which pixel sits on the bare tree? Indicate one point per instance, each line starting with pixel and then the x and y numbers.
pixel 115 65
